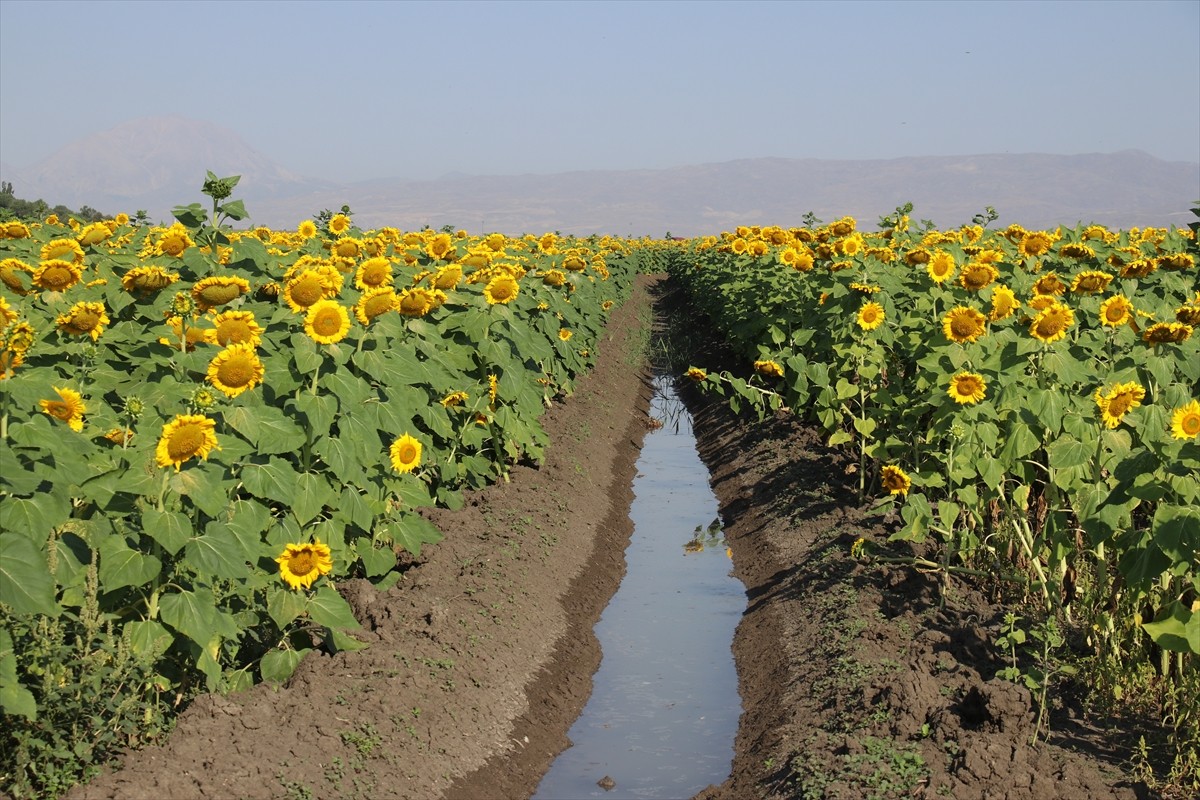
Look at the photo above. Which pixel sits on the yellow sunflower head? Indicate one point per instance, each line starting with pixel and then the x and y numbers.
pixel 564 334
pixel 870 316
pixel 147 280
pixel 501 289
pixel 95 233
pixel 237 327
pixel 405 454
pixel 1188 314
pixel 441 248
pixel 57 275
pixel 346 247
pixel 184 438
pixel 63 249
pixel 964 324
pixel 1035 243
pixel 84 319
pixel 69 407
pixel 696 374
pixel 339 224
pixel 554 277
pixel 771 369
pixel 375 302
pixel 217 290
pixel 373 273
pixel 1185 421
pixel 895 480
pixel 235 369
pixel 1004 303
pixel 301 564
pixel 454 399
pixel 1119 401
pixel 940 266
pixel 327 322
pixel 1167 333
pixel 1052 322
pixel 416 302
pixel 1090 281
pixel 976 276
pixel 306 229
pixel 447 277
pixel 174 241
pixel 1115 311
pixel 967 388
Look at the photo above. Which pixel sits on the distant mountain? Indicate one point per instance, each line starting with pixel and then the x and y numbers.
pixel 1119 189
pixel 154 163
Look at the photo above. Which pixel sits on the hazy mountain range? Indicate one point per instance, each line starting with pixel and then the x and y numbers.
pixel 158 162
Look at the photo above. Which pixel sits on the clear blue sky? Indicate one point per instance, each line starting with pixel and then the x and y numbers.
pixel 351 90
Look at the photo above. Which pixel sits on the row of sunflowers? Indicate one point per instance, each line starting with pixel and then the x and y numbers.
pixel 202 428
pixel 1028 398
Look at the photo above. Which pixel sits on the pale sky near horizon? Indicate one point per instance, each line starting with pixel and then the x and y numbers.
pixel 347 91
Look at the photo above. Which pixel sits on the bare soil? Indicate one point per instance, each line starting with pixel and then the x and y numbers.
pixel 855 680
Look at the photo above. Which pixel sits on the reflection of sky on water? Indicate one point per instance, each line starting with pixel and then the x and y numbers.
pixel 664 708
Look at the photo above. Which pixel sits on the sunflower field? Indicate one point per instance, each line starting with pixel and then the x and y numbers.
pixel 1028 398
pixel 202 428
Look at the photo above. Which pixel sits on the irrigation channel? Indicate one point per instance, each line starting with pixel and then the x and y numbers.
pixel 664 708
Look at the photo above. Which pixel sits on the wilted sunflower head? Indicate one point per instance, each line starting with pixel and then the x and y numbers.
pixel 1090 281
pixel 771 369
pixel 147 279
pixel 1167 333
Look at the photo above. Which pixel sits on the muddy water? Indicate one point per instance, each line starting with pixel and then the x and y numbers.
pixel 664 707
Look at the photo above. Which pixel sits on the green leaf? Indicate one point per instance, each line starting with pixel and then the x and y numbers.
pixel 270 430
pixel 26 584
pixel 376 560
pixel 320 410
pixel 304 351
pixel 866 426
pixel 310 497
pixel 342 641
pixel 171 529
pixel 121 565
pixel 195 615
pixel 15 699
pixel 218 553
pixel 1067 451
pixel 327 607
pixel 148 638
pixel 34 517
pixel 1176 628
pixel 411 531
pixel 342 457
pixel 840 437
pixel 275 480
pixel 1020 443
pixel 284 604
pixel 278 665
pixel 1176 531
pixel 204 486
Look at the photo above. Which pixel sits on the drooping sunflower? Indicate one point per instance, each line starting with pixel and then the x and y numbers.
pixel 174 241
pixel 1004 303
pixel 895 480
pixel 62 249
pixel 976 276
pixel 1090 281
pixel 237 327
pixel 1167 333
pixel 1139 268
pixel 870 316
pixel 1052 322
pixel 195 334
pixel 147 280
pixel 306 288
pixel 235 369
pixel 346 247
pixel 1049 285
pixel 501 289
pixel 454 399
pixel 554 277
pixel 940 266
pixel 967 388
pixel 416 302
pixel 771 369
pixel 1115 311
pixel 1188 314
pixel 10 274
pixel 447 277
pixel 375 302
pixel 57 275
pixel 964 324
pixel 1076 251
pixel 1185 421
pixel 184 438
pixel 217 290
pixel 493 390
pixel 1119 401
pixel 69 407
pixel 84 319
pixel 327 322
pixel 7 314
pixel 1177 261
pixel 441 248
pixel 405 454
pixel 301 564
pixel 95 233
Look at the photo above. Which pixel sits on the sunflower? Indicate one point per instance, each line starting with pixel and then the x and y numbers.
pixel 416 302
pixel 1049 285
pixel 696 374
pixel 574 262
pixel 83 319
pixel 447 277
pixel 967 388
pixel 306 229
pixel 850 246
pixel 564 334
pixel 1116 310
pixel 1004 303
pixel 976 276
pixel 1139 268
pixel 1167 333
pixel 184 438
pixel 1090 281
pixel 346 247
pixel 547 242
pixel 441 248
pixel 57 275
pixel 235 369
pixel 301 564
pixel 174 241
pixel 554 277
pixel 95 233
pixel 15 230
pixel 1035 243
pixel 940 266
pixel 501 289
pixel 769 368
pixel 964 324
pixel 1185 421
pixel 373 273
pixel 1077 251
pixel 146 280
pixel 237 327
pixel 1177 261
pixel 606 305
pixel 217 290
pixel 1188 314
pixel 1051 323
pixel 7 314
pixel 895 480
pixel 327 322
pixel 373 303
pixel 195 334
pixel 496 242
pixel 64 249
pixel 406 454
pixel 1119 401
pixel 454 399
pixel 339 224
pixel 493 390
pixel 9 269
pixel 305 289
pixel 870 316
pixel 69 407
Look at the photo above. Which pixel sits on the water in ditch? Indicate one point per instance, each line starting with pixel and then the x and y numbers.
pixel 664 708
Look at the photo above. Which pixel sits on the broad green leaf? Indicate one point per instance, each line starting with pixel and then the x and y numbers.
pixel 1067 451
pixel 1176 531
pixel 34 517
pixel 26 584
pixel 275 480
pixel 267 427
pixel 203 485
pixel 121 565
pixel 327 607
pixel 1176 628
pixel 195 615
pixel 412 530
pixel 15 699
pixel 342 641
pixel 1020 443
pixel 320 410
pixel 148 638
pixel 218 553
pixel 284 604
pixel 376 560
pixel 310 497
pixel 171 529
pixel 278 665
